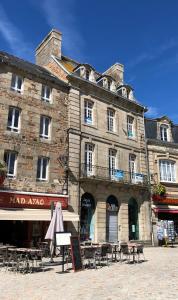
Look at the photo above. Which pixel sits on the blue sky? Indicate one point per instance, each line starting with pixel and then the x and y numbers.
pixel 141 34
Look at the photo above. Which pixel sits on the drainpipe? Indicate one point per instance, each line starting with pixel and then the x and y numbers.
pixel 149 183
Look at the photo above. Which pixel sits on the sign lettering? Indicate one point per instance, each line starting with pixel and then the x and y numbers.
pixel 29 201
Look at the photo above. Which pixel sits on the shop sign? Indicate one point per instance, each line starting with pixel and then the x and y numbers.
pixel 86 203
pixel 18 200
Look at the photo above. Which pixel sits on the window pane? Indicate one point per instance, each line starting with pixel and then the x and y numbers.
pixel 38 167
pixel 41 125
pixel 47 92
pixel 19 82
pixel 9 122
pixel 44 169
pixel 10 158
pixel 46 120
pixel 11 163
pixel 16 117
pixel 13 80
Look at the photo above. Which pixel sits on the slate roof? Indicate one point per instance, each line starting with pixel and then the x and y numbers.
pixel 151 130
pixel 30 68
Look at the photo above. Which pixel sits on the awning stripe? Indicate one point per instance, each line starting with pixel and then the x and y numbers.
pixel 20 214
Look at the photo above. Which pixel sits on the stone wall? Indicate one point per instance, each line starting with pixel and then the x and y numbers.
pixel 27 143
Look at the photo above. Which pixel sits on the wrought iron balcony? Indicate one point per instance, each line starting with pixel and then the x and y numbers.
pixel 114 175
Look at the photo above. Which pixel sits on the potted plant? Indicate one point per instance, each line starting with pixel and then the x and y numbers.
pixel 3 171
pixel 159 190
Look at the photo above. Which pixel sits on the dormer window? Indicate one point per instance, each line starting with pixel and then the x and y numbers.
pixel 164 133
pixel 85 71
pixel 109 85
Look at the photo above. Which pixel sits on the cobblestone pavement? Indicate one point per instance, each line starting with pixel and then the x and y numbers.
pixel 157 278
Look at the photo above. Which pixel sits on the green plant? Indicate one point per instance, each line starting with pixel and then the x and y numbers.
pixel 159 189
pixel 3 168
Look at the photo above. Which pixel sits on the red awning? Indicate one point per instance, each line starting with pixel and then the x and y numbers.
pixel 163 210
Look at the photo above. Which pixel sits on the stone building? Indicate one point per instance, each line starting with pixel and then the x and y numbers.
pixel 107 169
pixel 162 145
pixel 34 143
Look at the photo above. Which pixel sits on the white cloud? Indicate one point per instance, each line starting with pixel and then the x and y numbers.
pixel 13 36
pixel 155 53
pixel 61 15
pixel 152 112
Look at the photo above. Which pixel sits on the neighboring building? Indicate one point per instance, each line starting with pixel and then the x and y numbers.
pixel 108 183
pixel 34 143
pixel 162 144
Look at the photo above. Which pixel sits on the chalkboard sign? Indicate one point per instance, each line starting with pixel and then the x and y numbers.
pixel 76 253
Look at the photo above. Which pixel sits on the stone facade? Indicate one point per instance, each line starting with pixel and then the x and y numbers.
pixel 80 133
pixel 27 144
pixel 163 148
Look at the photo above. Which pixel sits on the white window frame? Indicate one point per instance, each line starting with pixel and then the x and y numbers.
pixel 112 163
pixel 42 159
pixel 88 112
pixel 167 170
pixel 12 127
pixel 8 163
pixel 164 133
pixel 89 159
pixel 15 78
pixel 130 127
pixel 44 93
pixel 42 134
pixel 111 120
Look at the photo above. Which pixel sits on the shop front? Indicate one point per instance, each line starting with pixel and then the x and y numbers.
pixel 165 211
pixel 24 217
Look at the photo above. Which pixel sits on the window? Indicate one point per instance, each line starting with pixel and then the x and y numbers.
pixel 87 74
pixel 112 163
pixel 110 117
pixel 167 171
pixel 13 123
pixel 88 112
pixel 16 83
pixel 132 166
pixel 109 85
pixel 46 93
pixel 164 132
pixel 42 168
pixel 130 126
pixel 45 123
pixel 10 159
pixel 89 159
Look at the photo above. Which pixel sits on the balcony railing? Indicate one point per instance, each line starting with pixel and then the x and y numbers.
pixel 116 175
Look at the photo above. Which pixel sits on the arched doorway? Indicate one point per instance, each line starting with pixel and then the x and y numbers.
pixel 112 219
pixel 133 220
pixel 87 218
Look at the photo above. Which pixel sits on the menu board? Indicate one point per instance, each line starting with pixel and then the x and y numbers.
pixel 63 238
pixel 76 253
pixel 171 231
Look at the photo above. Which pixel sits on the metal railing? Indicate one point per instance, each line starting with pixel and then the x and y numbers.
pixel 115 175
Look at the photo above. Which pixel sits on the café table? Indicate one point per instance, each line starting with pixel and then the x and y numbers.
pixel 27 257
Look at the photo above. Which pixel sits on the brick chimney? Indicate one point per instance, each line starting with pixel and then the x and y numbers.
pixel 117 72
pixel 51 45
